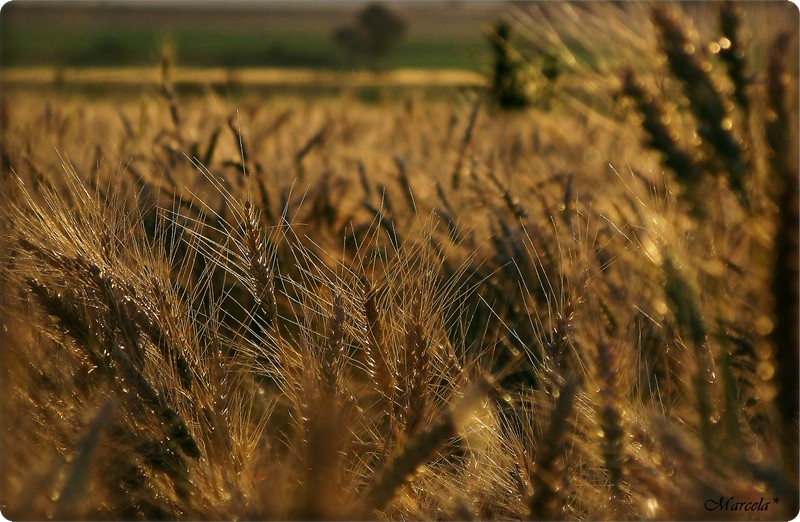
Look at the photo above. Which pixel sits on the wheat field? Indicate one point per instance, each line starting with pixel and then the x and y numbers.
pixel 421 307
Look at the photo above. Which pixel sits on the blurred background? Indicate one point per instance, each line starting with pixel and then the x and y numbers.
pixel 332 35
pixel 322 45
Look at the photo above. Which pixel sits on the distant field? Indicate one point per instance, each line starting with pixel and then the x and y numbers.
pixel 275 34
pixel 259 76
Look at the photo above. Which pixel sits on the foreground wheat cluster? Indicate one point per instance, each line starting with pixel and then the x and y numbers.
pixel 324 309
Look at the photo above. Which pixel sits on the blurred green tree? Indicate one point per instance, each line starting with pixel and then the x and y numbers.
pixel 373 35
pixel 507 87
